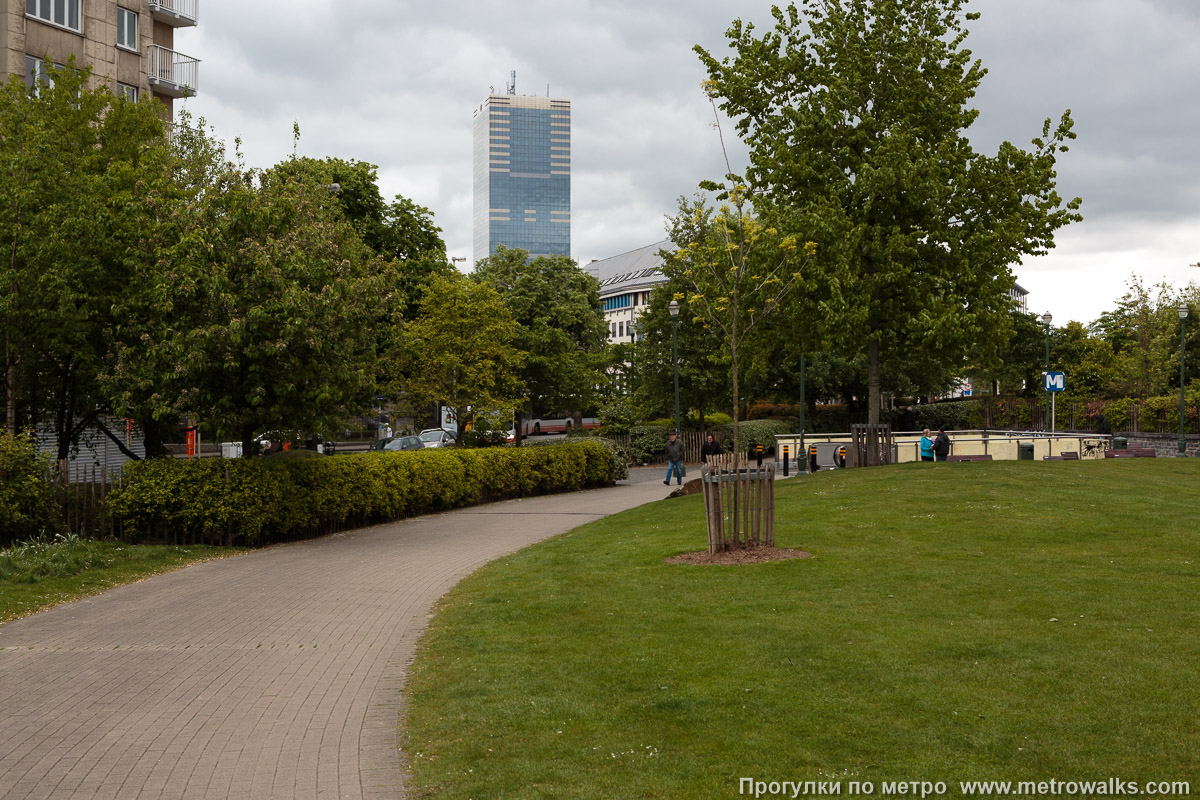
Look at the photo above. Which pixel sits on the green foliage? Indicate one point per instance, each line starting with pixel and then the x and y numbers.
pixel 253 501
pixel 461 351
pixel 75 162
pixel 27 505
pixel 855 115
pixel 561 328
pixel 647 442
pixel 753 433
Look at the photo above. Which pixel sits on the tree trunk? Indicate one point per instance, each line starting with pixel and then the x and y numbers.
pixel 10 385
pixel 518 424
pixel 873 382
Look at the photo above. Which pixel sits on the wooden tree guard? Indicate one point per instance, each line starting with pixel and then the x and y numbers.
pixel 872 445
pixel 739 503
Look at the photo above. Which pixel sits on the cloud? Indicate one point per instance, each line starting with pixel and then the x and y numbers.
pixel 395 84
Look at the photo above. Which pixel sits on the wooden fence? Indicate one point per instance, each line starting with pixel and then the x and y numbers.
pixel 739 503
pixel 81 491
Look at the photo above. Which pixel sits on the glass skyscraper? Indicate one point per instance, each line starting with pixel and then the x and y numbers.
pixel 522 165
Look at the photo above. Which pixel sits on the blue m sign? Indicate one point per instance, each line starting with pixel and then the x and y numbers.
pixel 1055 381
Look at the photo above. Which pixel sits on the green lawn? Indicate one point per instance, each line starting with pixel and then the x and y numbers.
pixel 1003 621
pixel 37 575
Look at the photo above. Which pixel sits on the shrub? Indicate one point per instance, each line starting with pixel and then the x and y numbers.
pixel 27 507
pixel 754 432
pixel 254 501
pixel 646 443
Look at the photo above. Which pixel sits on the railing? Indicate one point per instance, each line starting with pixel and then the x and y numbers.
pixel 1002 445
pixel 170 72
pixel 176 13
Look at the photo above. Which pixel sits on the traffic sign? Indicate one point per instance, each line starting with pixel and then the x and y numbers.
pixel 1055 381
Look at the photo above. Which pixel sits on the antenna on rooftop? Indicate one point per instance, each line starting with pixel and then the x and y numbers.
pixel 512 87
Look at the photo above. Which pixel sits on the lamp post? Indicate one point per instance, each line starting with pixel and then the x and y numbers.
pixel 1046 318
pixel 1183 312
pixel 674 309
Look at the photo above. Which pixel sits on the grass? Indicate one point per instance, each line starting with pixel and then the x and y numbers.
pixel 1003 621
pixel 41 573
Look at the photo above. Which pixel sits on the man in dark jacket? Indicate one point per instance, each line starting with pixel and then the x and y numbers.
pixel 711 448
pixel 941 446
pixel 674 458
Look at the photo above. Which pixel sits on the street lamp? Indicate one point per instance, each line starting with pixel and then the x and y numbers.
pixel 674 309
pixel 1046 318
pixel 1183 312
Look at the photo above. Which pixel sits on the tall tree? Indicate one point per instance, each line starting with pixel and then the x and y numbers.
pixel 255 308
pixel 561 324
pixel 73 160
pixel 461 351
pixel 855 113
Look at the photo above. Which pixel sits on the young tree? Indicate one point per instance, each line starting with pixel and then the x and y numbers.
pixel 461 351
pixel 855 113
pixel 737 271
pixel 561 324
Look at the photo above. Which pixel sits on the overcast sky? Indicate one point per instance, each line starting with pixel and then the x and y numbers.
pixel 394 82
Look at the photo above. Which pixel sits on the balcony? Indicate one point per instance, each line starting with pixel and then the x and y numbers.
pixel 171 73
pixel 176 13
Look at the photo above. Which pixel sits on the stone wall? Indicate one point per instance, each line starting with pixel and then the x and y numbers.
pixel 1165 445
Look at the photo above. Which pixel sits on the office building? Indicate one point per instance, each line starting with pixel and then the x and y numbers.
pixel 625 285
pixel 522 172
pixel 130 45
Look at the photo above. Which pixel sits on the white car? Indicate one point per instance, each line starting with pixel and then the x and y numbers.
pixel 436 437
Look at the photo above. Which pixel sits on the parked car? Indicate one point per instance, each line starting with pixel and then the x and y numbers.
pixel 404 443
pixel 437 437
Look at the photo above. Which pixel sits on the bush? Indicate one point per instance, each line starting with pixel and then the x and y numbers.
pixel 754 432
pixel 647 442
pixel 254 501
pixel 27 507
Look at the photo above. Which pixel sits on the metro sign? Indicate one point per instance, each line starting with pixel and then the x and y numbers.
pixel 1055 381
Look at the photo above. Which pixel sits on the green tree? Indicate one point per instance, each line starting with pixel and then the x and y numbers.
pixel 737 270
pixel 461 351
pixel 402 232
pixel 73 161
pixel 255 307
pixel 561 324
pixel 1143 332
pixel 855 114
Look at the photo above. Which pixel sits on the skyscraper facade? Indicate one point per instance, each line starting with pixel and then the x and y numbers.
pixel 522 170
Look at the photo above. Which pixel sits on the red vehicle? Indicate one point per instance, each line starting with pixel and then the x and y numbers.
pixel 560 423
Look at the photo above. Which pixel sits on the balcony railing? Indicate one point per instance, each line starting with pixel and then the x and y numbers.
pixel 171 73
pixel 176 13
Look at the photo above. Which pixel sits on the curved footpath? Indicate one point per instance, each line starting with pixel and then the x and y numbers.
pixel 277 674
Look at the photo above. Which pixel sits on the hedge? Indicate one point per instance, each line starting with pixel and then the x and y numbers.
pixel 258 501
pixel 27 505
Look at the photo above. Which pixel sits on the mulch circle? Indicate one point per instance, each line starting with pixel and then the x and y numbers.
pixel 748 555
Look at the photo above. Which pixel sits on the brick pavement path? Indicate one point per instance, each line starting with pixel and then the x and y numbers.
pixel 277 674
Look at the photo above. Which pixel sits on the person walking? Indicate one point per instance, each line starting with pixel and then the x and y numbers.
pixel 927 446
pixel 674 459
pixel 711 448
pixel 941 445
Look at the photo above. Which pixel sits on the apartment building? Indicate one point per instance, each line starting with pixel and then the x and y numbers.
pixel 129 44
pixel 522 174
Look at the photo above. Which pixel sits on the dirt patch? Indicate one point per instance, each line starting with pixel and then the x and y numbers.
pixel 749 555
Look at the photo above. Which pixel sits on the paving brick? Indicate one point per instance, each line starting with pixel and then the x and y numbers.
pixel 279 673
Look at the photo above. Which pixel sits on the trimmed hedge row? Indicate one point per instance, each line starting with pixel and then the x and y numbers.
pixel 258 501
